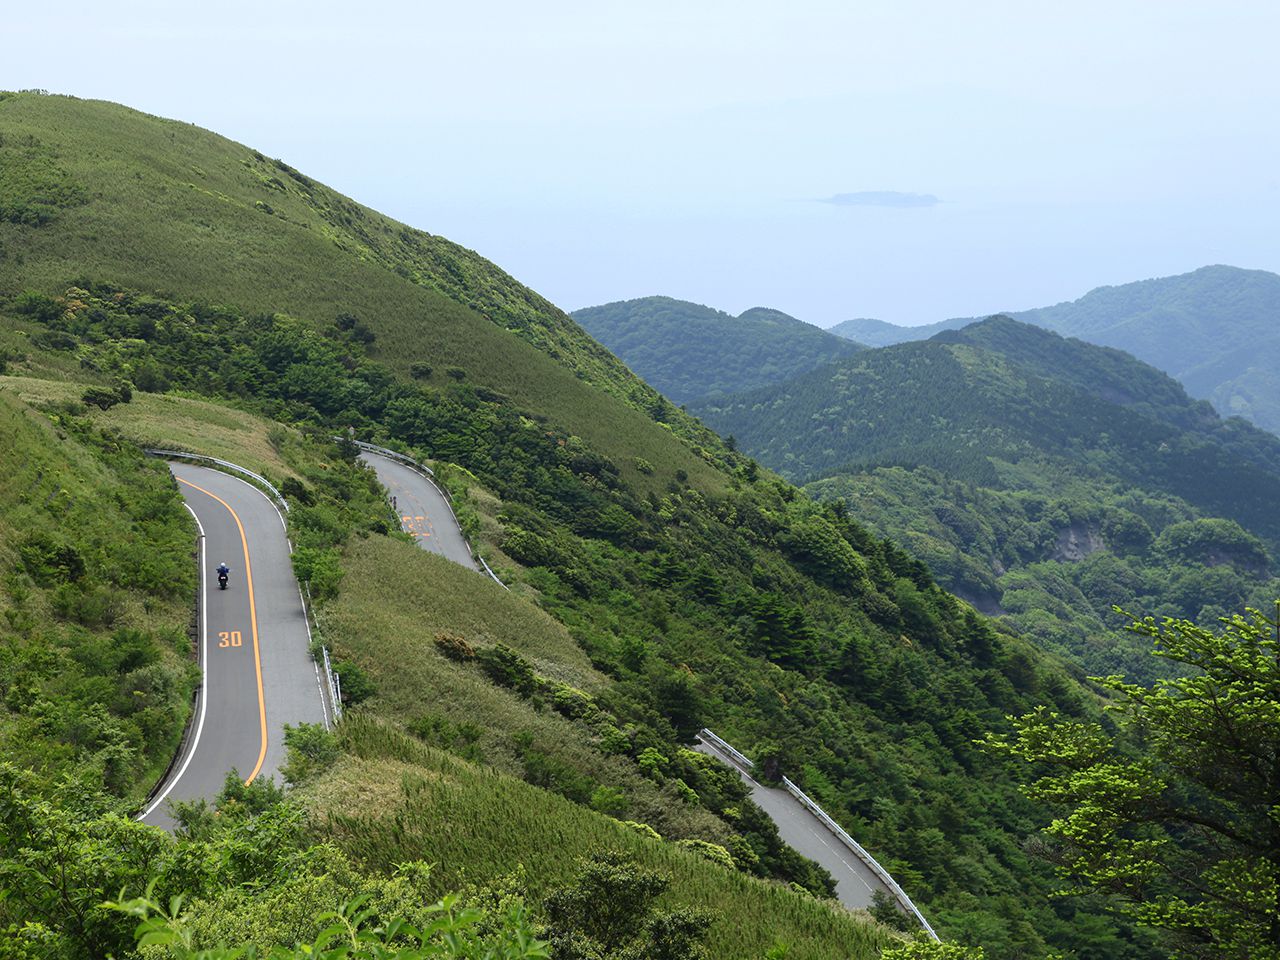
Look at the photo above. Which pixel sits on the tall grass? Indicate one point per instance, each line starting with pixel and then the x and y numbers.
pixel 166 421
pixel 395 800
pixel 396 598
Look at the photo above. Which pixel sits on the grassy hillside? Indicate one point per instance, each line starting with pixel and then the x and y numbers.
pixel 96 552
pixel 394 799
pixel 691 352
pixel 396 598
pixel 781 624
pixel 91 190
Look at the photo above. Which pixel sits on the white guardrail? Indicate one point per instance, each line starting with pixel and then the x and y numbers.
pixel 225 465
pixel 881 873
pixel 431 478
pixel 334 684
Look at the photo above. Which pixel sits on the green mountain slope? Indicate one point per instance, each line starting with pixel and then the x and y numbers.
pixel 98 691
pixel 955 404
pixel 1214 330
pixel 1044 479
pixel 92 189
pixel 691 352
pixel 95 548
pixel 697 588
pixel 1051 555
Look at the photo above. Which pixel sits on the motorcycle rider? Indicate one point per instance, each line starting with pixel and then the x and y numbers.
pixel 223 572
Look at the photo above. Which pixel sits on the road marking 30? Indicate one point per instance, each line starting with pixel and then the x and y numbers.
pixel 253 623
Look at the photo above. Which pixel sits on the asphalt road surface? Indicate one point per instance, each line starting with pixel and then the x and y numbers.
pixel 424 511
pixel 254 644
pixel 806 834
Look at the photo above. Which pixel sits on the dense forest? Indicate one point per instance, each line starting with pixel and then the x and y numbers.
pixel 969 399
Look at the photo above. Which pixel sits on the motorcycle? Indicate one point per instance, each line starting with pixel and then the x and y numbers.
pixel 222 581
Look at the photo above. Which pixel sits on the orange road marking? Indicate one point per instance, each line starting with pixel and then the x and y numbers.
pixel 253 622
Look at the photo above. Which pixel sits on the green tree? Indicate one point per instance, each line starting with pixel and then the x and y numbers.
pixel 1176 815
pixel 609 914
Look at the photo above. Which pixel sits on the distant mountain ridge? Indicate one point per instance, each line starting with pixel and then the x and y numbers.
pixel 691 352
pixel 881 333
pixel 1214 329
pixel 1002 392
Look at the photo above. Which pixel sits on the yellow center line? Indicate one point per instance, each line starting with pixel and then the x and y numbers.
pixel 253 623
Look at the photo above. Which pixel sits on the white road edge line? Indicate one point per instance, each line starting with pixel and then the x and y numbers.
pixel 320 685
pixel 204 666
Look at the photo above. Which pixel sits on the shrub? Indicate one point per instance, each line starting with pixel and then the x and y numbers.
pixel 355 683
pixel 321 569
pixel 642 828
pixel 885 909
pixel 312 749
pixel 49 561
pixel 420 371
pixel 87 606
pixel 104 398
pixel 460 738
pixel 652 762
pixel 744 855
pixel 613 740
pixel 507 668
pixel 454 647
pixel 295 490
pixel 38 307
pixel 708 851
pixel 925 950
pixel 610 800
pixel 572 702
pixel 551 773
pixel 611 910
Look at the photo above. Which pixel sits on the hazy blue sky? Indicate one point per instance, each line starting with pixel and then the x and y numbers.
pixel 602 150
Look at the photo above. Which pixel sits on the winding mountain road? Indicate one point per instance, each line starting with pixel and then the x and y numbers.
pixel 806 834
pixel 424 512
pixel 254 641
